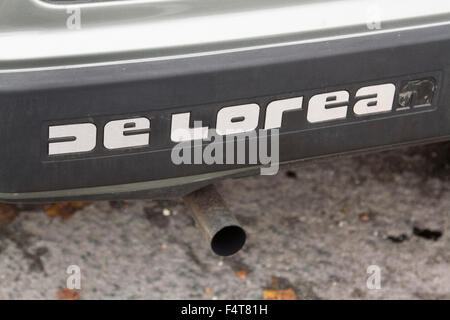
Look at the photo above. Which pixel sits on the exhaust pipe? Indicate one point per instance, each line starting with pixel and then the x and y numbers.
pixel 220 227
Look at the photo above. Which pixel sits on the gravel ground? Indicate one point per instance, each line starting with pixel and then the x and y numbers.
pixel 314 229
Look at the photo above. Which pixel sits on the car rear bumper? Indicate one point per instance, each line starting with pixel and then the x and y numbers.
pixel 62 83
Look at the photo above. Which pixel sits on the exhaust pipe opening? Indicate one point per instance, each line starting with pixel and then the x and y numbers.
pixel 228 241
pixel 220 228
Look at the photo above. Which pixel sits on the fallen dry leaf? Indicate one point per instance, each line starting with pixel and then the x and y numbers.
pixel 8 213
pixel 241 274
pixel 208 291
pixel 287 294
pixel 67 294
pixel 64 210
pixel 364 217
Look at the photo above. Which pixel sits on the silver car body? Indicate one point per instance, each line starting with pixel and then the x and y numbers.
pixel 37 34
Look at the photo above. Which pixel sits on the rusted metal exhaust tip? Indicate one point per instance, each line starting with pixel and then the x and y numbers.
pixel 228 241
pixel 220 228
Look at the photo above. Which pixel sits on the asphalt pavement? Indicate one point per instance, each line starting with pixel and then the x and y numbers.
pixel 313 232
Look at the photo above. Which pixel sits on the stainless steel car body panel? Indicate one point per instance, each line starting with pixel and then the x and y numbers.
pixel 34 34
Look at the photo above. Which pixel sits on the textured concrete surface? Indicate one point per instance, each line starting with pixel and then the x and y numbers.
pixel 314 229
